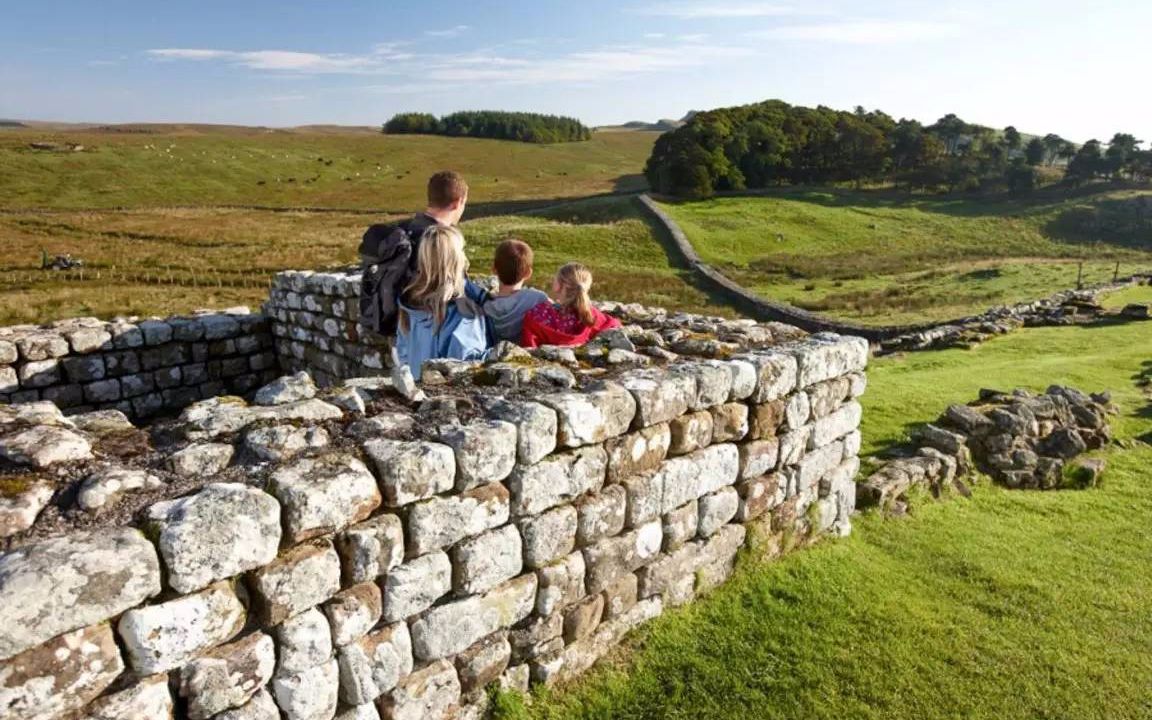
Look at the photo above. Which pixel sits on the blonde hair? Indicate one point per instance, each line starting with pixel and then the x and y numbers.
pixel 440 267
pixel 574 281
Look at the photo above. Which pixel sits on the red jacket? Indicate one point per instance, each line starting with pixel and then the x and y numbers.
pixel 552 324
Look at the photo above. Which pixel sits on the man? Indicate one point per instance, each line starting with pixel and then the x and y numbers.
pixel 388 252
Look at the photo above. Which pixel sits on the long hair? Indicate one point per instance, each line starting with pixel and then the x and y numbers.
pixel 440 267
pixel 574 281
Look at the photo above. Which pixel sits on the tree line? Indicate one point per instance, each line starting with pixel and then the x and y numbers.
pixel 774 143
pixel 519 126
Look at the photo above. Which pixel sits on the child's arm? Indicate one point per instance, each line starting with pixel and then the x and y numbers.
pixel 529 337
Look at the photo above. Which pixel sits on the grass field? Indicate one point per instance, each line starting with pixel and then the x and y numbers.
pixel 883 258
pixel 165 261
pixel 1008 605
pixel 147 209
pixel 166 166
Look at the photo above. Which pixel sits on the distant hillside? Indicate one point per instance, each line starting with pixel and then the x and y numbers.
pixel 11 124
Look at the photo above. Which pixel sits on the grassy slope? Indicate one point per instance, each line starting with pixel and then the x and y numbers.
pixel 225 166
pixel 1009 605
pixel 879 257
pixel 155 258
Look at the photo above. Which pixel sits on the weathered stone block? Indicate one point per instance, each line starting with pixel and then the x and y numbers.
pixel 536 636
pixel 569 662
pixel 713 379
pixel 374 664
pixel 227 676
pixel 637 452
pixel 766 419
pixel 308 695
pixel 304 640
pixel 483 663
pixel 601 515
pixel 41 346
pixel 818 463
pixel 147 699
pixel 620 596
pixel 758 496
pixel 556 480
pixel 448 629
pixel 826 397
pixel 582 618
pixel 481 563
pixel 286 389
pixel 353 612
pixel 680 525
pixel 411 471
pixel 104 487
pixel 776 374
pixel 835 426
pixel 485 451
pixel 548 536
pixel 323 495
pixel 536 425
pixel 56 679
pixel 827 356
pixel 201 459
pixel 729 422
pixel 44 447
pixel 20 508
pixel 591 417
pixel 645 498
pixel 302 577
pixel 277 443
pixel 793 444
pixel 660 396
pixel 716 509
pixel 431 693
pixel 371 548
pixel 64 583
pixel 560 584
pixel 415 585
pixel 221 531
pixel 691 476
pixel 161 637
pixel 690 432
pixel 744 378
pixel 442 521
pixel 610 559
pixel 83 369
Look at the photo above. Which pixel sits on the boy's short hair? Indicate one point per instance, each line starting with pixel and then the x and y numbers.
pixel 445 188
pixel 513 261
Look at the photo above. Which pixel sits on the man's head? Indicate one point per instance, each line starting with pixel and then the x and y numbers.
pixel 513 262
pixel 447 196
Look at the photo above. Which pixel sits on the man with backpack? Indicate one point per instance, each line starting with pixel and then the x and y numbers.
pixel 388 252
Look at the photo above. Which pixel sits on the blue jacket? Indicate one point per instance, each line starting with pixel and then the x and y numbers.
pixel 460 336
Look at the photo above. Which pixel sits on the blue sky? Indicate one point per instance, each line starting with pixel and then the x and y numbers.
pixel 1072 67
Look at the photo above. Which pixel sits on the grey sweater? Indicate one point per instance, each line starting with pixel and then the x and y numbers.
pixel 507 313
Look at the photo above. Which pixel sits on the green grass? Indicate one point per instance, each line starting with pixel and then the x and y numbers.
pixel 881 258
pixel 204 166
pixel 1008 605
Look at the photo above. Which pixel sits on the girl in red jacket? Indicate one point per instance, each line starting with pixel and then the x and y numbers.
pixel 571 320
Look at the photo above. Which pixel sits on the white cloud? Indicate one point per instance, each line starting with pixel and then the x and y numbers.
pixel 861 32
pixel 488 66
pixel 448 32
pixel 717 9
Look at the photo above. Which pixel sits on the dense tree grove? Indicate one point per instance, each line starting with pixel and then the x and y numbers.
pixel 774 143
pixel 524 127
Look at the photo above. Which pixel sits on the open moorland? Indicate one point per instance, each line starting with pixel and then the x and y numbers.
pixel 884 258
pixel 172 218
pixel 1006 605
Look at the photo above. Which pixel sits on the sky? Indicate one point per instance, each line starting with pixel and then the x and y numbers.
pixel 1070 67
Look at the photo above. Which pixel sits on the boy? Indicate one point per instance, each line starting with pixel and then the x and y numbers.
pixel 507 306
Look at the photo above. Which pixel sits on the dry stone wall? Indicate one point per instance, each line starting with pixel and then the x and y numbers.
pixel 140 367
pixel 314 318
pixel 362 552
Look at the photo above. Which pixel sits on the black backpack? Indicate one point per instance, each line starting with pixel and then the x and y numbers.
pixel 387 259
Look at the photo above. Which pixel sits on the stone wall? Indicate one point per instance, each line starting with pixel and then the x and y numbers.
pixel 138 366
pixel 314 320
pixel 352 552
